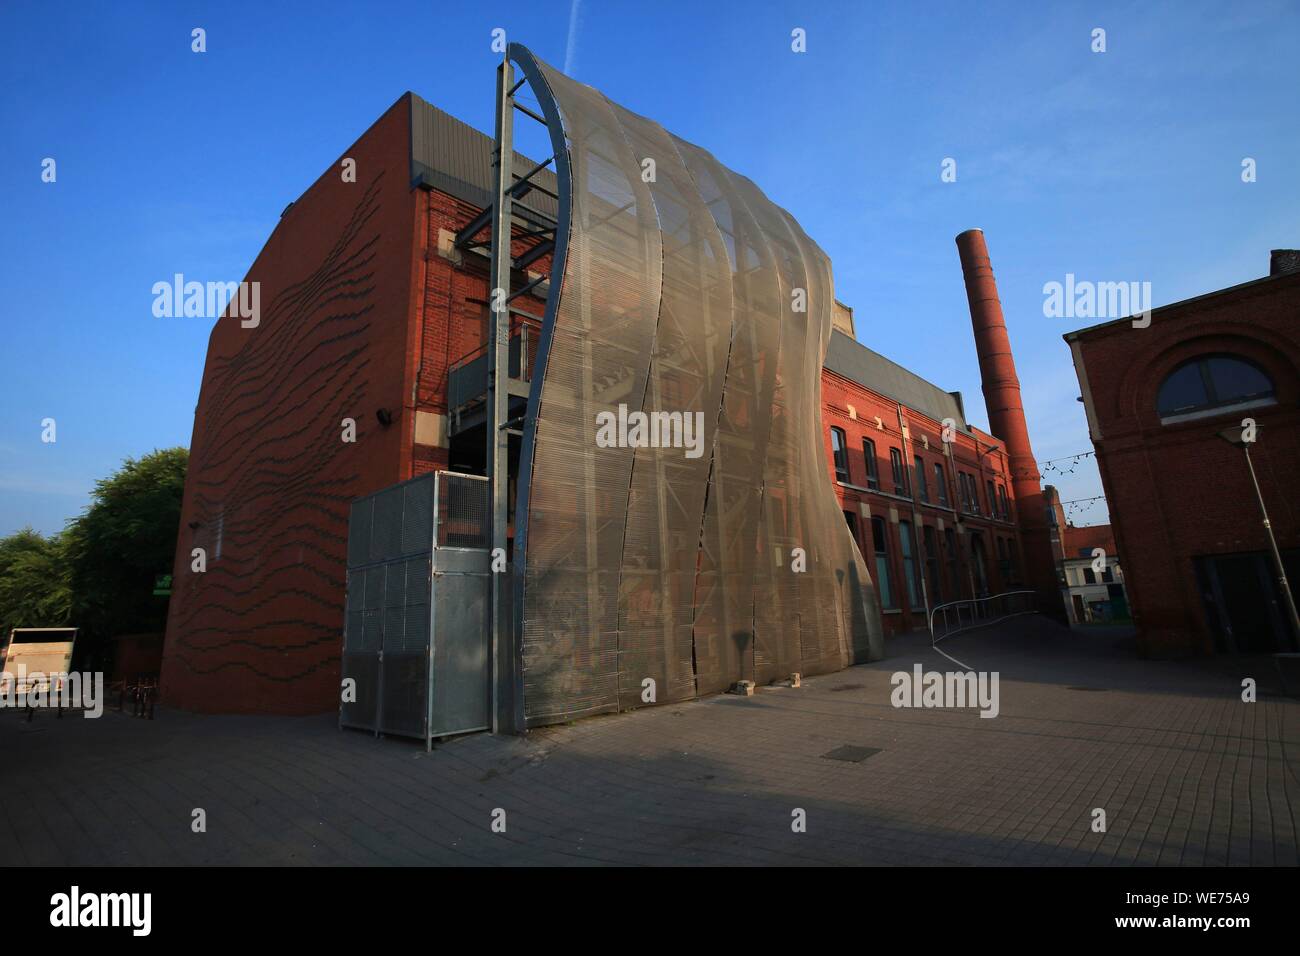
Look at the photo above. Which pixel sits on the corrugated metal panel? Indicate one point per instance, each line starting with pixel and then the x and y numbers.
pixel 855 361
pixel 455 158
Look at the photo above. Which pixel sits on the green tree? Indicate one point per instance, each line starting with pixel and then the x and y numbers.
pixel 123 541
pixel 35 586
pixel 98 574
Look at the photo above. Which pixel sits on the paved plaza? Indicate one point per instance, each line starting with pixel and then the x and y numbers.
pixel 1186 772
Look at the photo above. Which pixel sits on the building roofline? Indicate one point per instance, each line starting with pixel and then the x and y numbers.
pixel 1240 287
pixel 866 357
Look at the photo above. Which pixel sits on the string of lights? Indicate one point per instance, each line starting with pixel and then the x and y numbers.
pixel 1080 506
pixel 1055 466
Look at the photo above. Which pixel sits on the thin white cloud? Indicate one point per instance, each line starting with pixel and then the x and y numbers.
pixel 571 45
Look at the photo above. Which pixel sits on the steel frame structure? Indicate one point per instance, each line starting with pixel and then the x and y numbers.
pixel 507 208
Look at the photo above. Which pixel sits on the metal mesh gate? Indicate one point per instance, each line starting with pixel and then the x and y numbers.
pixel 416 629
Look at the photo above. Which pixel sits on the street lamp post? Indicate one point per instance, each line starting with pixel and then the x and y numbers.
pixel 1234 436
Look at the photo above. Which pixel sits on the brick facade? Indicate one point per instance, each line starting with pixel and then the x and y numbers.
pixel 1178 493
pixel 945 538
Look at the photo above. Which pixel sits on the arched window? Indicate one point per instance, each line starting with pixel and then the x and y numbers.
pixel 1210 382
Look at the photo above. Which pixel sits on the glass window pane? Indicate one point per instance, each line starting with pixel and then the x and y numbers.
pixel 878 541
pixel 909 563
pixel 1182 391
pixel 900 476
pixel 1236 381
pixel 873 470
pixel 840 453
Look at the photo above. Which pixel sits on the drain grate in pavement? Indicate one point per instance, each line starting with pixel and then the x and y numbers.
pixel 851 754
pixel 839 687
pixel 1099 690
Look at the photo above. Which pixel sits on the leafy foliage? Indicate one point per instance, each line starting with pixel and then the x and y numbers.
pixel 35 586
pixel 98 574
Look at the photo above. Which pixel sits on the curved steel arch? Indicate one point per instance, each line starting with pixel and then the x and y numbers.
pixel 675 292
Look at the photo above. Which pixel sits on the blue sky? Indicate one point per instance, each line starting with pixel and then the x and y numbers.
pixel 1115 166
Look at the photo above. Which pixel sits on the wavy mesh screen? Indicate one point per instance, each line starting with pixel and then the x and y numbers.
pixel 685 292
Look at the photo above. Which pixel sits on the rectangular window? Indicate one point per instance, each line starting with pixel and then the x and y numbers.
pixel 1003 508
pixel 880 544
pixel 1089 577
pixel 941 483
pixel 931 541
pixel 993 507
pixel 840 453
pixel 900 474
pixel 908 547
pixel 922 485
pixel 852 520
pixel 979 564
pixel 954 569
pixel 873 468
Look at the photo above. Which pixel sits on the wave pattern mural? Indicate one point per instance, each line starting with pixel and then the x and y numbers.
pixel 270 481
pixel 683 291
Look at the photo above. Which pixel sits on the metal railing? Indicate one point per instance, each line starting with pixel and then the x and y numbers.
pixel 981 612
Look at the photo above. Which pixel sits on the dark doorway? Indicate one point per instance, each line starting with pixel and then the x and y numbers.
pixel 1118 602
pixel 1243 603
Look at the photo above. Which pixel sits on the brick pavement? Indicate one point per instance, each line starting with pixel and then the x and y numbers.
pixel 1187 774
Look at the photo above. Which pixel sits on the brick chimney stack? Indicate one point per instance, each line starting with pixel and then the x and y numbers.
pixel 1007 418
pixel 1283 261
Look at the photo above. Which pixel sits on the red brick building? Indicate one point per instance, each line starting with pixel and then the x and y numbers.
pixel 1185 514
pixel 936 522
pixel 1092 583
pixel 363 313
pixel 372 326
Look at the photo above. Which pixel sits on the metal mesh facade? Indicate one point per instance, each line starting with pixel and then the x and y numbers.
pixel 683 289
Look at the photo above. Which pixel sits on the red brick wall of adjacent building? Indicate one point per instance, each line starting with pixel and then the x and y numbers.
pixel 361 310
pixel 957 572
pixel 451 310
pixel 1177 491
pixel 270 478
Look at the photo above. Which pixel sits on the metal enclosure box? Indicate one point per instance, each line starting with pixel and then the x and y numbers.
pixel 415 640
